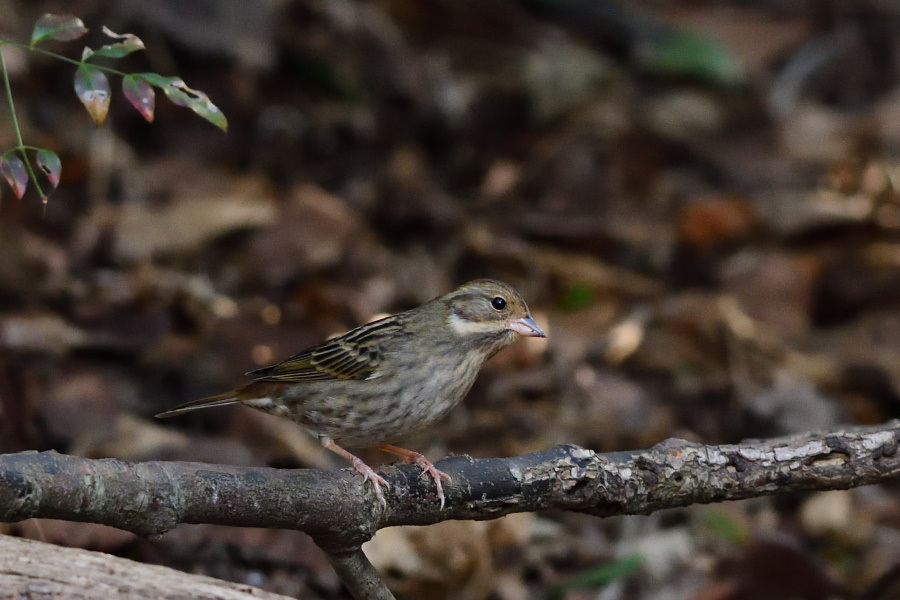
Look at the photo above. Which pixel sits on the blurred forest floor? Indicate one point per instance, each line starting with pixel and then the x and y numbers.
pixel 697 199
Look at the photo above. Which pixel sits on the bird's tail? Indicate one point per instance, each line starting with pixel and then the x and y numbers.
pixel 218 400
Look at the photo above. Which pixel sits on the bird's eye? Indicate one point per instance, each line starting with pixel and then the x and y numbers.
pixel 498 303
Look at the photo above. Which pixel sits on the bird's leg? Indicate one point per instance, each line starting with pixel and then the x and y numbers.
pixel 424 463
pixel 361 468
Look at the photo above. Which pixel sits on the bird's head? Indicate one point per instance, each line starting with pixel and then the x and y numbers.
pixel 489 311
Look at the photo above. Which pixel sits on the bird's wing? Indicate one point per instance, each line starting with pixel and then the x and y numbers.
pixel 354 355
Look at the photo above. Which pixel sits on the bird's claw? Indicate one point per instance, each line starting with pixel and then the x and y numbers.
pixel 436 474
pixel 369 474
pixel 424 464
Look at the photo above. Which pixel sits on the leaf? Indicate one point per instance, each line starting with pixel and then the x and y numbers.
pixel 686 54
pixel 140 94
pixel 92 89
pixel 50 165
pixel 182 95
pixel 63 28
pixel 619 568
pixel 726 527
pixel 578 296
pixel 13 170
pixel 130 43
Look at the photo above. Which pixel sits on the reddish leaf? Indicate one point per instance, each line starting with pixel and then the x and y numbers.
pixel 62 28
pixel 50 165
pixel 92 89
pixel 130 43
pixel 140 94
pixel 13 170
pixel 180 94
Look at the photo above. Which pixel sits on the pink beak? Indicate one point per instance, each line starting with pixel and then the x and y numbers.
pixel 527 327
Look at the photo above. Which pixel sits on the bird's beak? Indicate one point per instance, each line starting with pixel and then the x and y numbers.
pixel 527 327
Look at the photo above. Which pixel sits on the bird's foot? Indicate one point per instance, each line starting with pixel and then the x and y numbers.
pixel 426 465
pixel 369 474
pixel 362 468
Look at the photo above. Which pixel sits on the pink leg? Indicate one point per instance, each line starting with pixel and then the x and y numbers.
pixel 424 463
pixel 361 468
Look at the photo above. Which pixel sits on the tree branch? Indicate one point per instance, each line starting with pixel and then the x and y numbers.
pixel 359 575
pixel 30 569
pixel 340 512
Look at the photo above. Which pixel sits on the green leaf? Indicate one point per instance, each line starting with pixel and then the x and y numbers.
pixel 726 527
pixel 130 43
pixel 686 54
pixel 140 94
pixel 622 567
pixel 180 94
pixel 50 165
pixel 92 88
pixel 578 296
pixel 63 28
pixel 13 170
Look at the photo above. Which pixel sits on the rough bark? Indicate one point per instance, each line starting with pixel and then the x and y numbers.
pixel 35 570
pixel 340 511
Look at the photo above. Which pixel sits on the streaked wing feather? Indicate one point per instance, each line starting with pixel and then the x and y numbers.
pixel 354 355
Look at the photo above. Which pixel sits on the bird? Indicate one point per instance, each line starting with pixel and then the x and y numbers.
pixel 389 378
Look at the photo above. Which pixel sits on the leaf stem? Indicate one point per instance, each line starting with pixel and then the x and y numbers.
pixel 20 144
pixel 63 58
pixel 9 97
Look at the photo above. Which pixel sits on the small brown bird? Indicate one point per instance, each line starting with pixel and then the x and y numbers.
pixel 389 378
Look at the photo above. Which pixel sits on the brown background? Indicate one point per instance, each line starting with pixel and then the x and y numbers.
pixel 697 199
